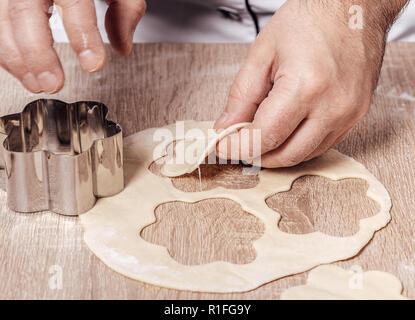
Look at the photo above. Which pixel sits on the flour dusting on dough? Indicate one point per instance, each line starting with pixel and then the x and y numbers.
pixel 112 227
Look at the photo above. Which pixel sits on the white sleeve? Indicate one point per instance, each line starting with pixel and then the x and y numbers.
pixel 213 21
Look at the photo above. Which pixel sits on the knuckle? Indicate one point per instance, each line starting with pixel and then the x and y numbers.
pixel 359 113
pixel 271 141
pixel 10 59
pixel 349 107
pixel 14 62
pixel 243 87
pixel 14 67
pixel 67 4
pixel 236 92
pixel 139 7
pixel 338 113
pixel 312 83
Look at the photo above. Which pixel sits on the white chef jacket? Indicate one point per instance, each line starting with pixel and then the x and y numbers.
pixel 215 21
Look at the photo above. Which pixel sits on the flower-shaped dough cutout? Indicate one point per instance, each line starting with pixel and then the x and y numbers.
pixel 319 204
pixel 334 283
pixel 195 146
pixel 229 176
pixel 218 229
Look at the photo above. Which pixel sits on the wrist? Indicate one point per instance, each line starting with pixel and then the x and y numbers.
pixel 376 14
pixel 366 39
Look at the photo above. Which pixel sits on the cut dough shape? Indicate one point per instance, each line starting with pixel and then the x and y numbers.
pixel 112 228
pixel 334 283
pixel 206 142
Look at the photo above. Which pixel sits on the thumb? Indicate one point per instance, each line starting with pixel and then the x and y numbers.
pixel 121 20
pixel 250 87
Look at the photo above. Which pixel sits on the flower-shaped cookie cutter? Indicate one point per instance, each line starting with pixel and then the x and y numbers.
pixel 60 156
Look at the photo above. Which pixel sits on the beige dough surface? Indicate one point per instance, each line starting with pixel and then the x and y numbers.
pixel 112 228
pixel 334 283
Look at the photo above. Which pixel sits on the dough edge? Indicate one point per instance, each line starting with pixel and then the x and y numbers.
pixel 124 252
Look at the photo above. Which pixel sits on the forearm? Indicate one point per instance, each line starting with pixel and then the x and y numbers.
pixel 364 22
pixel 386 11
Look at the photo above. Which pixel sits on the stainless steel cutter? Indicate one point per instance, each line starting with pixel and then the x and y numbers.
pixel 60 156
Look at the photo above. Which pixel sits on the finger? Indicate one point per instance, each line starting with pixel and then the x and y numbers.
pixel 33 38
pixel 10 57
pixel 336 137
pixel 121 21
pixel 276 119
pixel 304 140
pixel 250 87
pixel 330 141
pixel 80 21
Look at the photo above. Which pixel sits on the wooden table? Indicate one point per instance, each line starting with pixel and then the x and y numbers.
pixel 161 83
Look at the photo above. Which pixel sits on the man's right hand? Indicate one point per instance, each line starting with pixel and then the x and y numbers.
pixel 26 43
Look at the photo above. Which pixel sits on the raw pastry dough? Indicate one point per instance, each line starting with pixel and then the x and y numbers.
pixel 206 143
pixel 113 226
pixel 334 283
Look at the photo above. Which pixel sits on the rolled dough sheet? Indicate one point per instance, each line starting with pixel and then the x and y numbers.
pixel 112 228
pixel 334 283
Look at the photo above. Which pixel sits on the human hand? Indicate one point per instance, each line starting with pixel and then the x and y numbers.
pixel 26 44
pixel 307 81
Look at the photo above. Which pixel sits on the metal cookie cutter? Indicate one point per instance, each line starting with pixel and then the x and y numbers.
pixel 60 156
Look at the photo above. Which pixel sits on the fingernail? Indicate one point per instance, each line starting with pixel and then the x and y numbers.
pixel 30 83
pixel 90 62
pixel 221 120
pixel 48 82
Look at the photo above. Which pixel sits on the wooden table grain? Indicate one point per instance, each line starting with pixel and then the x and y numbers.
pixel 161 83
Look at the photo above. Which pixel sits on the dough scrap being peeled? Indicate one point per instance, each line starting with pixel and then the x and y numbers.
pixel 112 228
pixel 206 143
pixel 334 283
